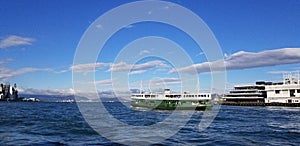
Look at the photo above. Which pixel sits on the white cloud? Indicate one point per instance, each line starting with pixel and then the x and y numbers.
pixel 117 67
pixel 14 40
pixel 143 52
pixel 283 72
pixel 33 91
pixel 99 26
pixel 225 55
pixel 199 68
pixel 199 54
pixel 158 81
pixel 123 66
pixel 107 82
pixel 81 96
pixel 30 69
pixel 242 60
pixel 62 71
pixel 277 72
pixel 245 60
pixel 137 72
pixel 87 67
pixel 6 73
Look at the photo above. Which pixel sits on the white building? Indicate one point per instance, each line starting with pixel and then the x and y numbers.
pixel 287 92
pixel 1 93
pixel 247 93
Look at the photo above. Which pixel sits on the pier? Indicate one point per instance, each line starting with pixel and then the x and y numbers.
pixel 285 93
pixel 260 104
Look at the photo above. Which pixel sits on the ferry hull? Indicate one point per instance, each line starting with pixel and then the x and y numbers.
pixel 173 106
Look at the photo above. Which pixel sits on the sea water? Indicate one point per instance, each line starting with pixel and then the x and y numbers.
pixel 45 123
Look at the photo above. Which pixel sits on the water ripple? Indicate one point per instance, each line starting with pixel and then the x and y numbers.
pixel 62 124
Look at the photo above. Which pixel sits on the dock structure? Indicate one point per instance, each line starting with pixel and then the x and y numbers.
pixel 260 104
pixel 285 93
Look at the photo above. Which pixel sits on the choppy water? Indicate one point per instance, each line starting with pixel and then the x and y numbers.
pixel 62 124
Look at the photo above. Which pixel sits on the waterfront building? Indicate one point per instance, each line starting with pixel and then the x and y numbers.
pixel 1 92
pixel 8 93
pixel 287 92
pixel 247 93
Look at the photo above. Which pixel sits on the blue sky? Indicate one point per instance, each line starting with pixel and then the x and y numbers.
pixel 38 40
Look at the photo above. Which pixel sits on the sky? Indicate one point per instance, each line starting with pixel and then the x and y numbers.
pixel 38 40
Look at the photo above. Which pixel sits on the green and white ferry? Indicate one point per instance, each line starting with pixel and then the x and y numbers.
pixel 172 101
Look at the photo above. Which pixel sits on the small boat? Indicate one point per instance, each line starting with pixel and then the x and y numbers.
pixel 172 101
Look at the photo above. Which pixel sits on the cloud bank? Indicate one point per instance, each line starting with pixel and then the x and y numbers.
pixel 107 82
pixel 60 92
pixel 88 67
pixel 13 40
pixel 7 73
pixel 136 68
pixel 118 67
pixel 245 60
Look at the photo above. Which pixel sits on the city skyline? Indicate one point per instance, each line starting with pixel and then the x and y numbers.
pixel 38 40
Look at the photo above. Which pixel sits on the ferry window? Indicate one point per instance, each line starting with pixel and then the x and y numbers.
pixel 277 91
pixel 207 95
pixel 204 95
pixel 192 95
pixel 298 90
